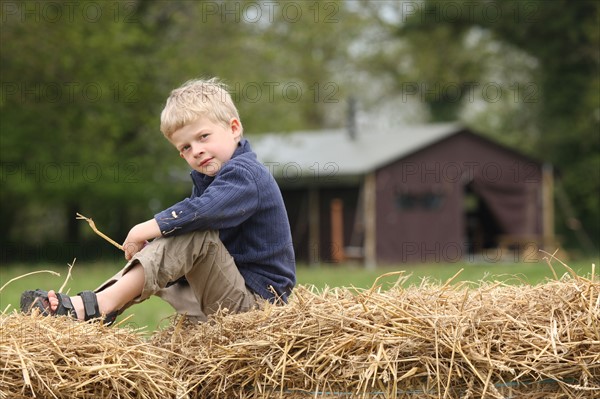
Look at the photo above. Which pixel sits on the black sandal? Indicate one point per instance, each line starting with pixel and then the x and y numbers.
pixel 38 299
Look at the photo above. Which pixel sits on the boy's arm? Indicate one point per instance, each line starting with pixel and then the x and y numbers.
pixel 227 202
pixel 138 237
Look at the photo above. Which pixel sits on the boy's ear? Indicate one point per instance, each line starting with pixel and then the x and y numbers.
pixel 236 127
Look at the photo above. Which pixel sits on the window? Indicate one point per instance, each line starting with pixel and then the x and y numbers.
pixel 429 200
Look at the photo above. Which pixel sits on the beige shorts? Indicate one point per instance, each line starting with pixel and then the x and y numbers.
pixel 213 279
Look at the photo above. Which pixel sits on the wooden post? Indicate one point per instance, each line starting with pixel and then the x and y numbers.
pixel 548 207
pixel 314 226
pixel 337 230
pixel 370 212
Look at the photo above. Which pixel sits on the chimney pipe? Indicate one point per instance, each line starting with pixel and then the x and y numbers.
pixel 351 118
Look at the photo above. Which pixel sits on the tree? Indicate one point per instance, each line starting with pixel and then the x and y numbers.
pixel 75 116
pixel 541 58
pixel 83 84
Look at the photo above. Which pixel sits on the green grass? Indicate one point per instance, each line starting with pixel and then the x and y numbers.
pixel 151 314
pixel 509 272
pixel 154 312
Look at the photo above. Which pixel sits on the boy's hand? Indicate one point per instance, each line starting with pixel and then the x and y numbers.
pixel 138 237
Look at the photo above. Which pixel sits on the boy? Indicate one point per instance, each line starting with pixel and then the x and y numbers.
pixel 227 246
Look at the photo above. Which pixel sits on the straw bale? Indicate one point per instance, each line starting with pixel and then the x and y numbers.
pixel 57 357
pixel 492 341
pixel 488 340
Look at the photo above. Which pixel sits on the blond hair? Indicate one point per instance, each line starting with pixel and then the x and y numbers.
pixel 196 99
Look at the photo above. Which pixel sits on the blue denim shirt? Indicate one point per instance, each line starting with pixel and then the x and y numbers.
pixel 244 203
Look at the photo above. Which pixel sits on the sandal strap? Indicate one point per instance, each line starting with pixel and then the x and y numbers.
pixel 110 318
pixel 38 299
pixel 65 306
pixel 90 305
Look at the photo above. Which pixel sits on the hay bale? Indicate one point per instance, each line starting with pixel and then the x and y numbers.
pixel 429 341
pixel 57 357
pixel 492 341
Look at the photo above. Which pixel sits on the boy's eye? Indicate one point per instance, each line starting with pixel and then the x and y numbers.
pixel 204 136
pixel 185 148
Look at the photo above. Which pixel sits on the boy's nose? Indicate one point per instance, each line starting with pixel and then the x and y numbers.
pixel 197 150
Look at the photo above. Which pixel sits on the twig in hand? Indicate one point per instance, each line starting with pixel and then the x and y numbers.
pixel 93 226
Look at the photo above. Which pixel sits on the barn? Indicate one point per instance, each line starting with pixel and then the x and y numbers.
pixel 426 193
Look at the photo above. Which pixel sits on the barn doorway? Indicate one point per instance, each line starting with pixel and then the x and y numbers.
pixel 482 230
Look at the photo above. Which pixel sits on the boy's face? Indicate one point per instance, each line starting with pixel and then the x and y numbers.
pixel 206 145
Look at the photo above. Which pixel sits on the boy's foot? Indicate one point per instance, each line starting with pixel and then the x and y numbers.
pixel 75 300
pixel 84 306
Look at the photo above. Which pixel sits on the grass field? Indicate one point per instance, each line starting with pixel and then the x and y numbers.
pixel 154 312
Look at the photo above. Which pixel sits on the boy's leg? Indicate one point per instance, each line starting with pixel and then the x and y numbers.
pixel 214 280
pixel 123 291
pixel 116 296
pixel 183 299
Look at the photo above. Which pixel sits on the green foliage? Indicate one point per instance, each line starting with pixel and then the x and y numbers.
pixel 83 84
pixel 75 125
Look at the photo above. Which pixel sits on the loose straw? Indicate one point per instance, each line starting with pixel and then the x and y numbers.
pixel 101 234
pixel 27 274
pixel 434 341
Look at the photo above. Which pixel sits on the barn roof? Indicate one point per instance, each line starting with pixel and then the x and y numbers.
pixel 305 153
